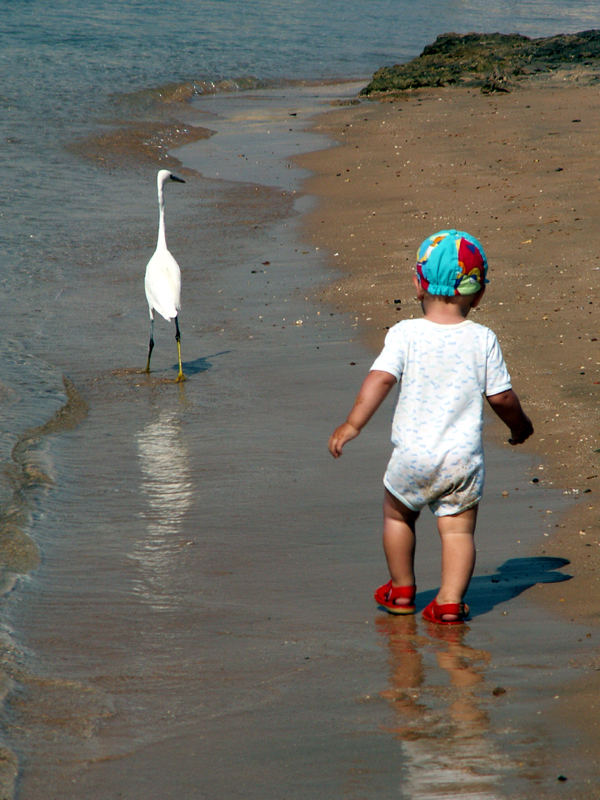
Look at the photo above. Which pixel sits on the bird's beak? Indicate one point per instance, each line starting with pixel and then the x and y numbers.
pixel 175 178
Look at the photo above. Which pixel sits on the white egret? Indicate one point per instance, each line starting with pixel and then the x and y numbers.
pixel 163 277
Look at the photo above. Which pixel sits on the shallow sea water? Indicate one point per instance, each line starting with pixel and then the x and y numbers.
pixel 160 536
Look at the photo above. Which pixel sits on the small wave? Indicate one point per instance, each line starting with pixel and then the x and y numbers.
pixel 165 99
pixel 28 475
pixel 249 83
pixel 175 94
pixel 154 98
pixel 243 84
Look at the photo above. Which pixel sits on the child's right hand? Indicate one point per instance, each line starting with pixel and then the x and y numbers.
pixel 342 434
pixel 374 389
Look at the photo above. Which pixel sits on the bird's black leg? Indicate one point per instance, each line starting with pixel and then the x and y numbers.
pixel 180 375
pixel 150 344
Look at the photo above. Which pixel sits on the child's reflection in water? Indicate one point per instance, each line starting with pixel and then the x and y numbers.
pixel 434 689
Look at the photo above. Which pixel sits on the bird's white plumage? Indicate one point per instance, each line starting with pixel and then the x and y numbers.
pixel 163 284
pixel 163 277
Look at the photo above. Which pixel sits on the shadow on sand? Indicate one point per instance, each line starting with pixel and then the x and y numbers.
pixel 510 579
pixel 199 365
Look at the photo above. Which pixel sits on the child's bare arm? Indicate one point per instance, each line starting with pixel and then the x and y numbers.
pixel 373 391
pixel 507 406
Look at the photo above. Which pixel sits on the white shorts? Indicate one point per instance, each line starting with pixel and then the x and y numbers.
pixel 446 491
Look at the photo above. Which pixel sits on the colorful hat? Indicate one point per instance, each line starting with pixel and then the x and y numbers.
pixel 451 263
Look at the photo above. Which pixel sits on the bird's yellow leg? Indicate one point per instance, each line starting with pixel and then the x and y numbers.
pixel 180 375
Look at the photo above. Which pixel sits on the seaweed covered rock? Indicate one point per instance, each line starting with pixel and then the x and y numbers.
pixel 490 59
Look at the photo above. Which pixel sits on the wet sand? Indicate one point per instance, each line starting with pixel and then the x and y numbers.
pixel 202 623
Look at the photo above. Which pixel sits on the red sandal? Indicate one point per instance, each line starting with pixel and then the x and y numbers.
pixel 387 594
pixel 435 612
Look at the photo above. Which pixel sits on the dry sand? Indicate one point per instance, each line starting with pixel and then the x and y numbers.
pixel 520 171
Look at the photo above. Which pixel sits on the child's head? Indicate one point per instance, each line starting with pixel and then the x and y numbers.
pixel 451 264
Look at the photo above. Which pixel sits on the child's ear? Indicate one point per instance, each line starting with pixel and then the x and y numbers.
pixel 477 297
pixel 418 287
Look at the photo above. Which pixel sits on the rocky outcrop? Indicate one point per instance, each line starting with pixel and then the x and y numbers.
pixel 492 60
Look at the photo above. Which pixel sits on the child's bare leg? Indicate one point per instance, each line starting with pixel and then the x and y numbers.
pixel 458 555
pixel 399 541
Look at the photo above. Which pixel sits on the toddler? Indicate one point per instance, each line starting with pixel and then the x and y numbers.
pixel 444 365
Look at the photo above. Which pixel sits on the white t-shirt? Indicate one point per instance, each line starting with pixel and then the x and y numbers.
pixel 443 371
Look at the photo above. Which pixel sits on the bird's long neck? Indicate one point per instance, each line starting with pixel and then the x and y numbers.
pixel 162 238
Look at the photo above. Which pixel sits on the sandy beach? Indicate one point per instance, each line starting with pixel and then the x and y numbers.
pixel 518 170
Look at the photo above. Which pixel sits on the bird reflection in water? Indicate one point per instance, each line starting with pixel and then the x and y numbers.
pixel 446 742
pixel 167 488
